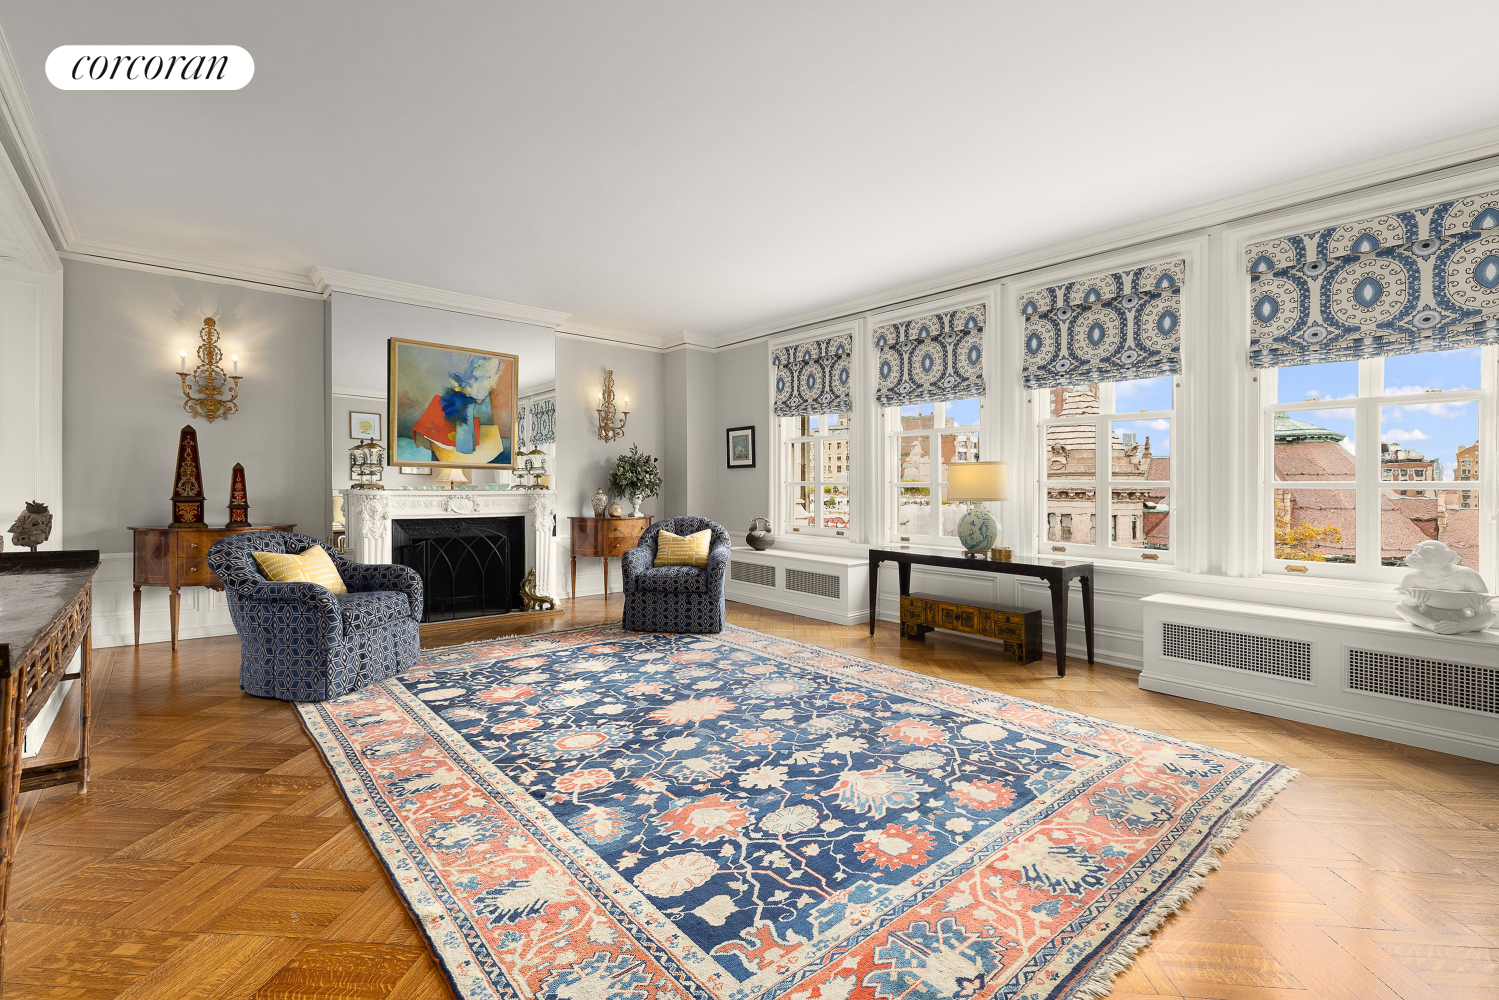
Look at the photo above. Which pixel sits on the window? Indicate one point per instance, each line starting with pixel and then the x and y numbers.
pixel 1338 506
pixel 926 439
pixel 1131 423
pixel 816 473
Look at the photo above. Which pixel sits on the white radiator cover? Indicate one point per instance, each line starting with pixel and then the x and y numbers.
pixel 1372 676
pixel 829 588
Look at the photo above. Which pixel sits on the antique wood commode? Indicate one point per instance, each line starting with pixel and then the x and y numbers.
pixel 1018 629
pixel 46 616
pixel 177 557
pixel 604 538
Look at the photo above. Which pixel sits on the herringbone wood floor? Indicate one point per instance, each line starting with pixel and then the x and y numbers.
pixel 214 857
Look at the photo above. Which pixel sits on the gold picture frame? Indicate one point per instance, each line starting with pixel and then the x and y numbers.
pixel 451 407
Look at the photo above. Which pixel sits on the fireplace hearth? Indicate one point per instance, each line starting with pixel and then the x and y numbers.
pixel 471 567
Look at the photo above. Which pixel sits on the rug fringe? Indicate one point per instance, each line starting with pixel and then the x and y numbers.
pixel 1123 956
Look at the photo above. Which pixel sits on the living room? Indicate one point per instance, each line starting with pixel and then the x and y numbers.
pixel 585 500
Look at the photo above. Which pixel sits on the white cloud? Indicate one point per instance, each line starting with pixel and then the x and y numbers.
pixel 1401 434
pixel 1158 425
pixel 1347 444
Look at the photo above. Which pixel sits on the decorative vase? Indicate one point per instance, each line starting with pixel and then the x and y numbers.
pixel 978 531
pixel 635 502
pixel 760 537
pixel 600 502
pixel 615 510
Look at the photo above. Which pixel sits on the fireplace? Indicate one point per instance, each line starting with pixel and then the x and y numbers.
pixel 470 567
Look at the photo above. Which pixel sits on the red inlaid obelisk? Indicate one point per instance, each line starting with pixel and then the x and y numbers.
pixel 187 494
pixel 239 504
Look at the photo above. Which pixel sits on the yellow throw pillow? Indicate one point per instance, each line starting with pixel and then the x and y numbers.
pixel 312 566
pixel 676 550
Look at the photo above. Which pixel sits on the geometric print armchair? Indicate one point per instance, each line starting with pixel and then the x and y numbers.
pixel 301 641
pixel 676 598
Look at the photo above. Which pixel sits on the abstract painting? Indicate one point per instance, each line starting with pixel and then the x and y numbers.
pixel 453 407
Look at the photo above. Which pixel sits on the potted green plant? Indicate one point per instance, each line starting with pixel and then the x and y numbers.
pixel 635 477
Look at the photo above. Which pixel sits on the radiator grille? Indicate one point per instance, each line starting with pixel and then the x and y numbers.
pixel 760 574
pixel 818 584
pixel 1240 650
pixel 1457 685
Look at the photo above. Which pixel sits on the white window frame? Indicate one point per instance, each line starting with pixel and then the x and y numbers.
pixel 893 434
pixel 1103 484
pixel 1370 481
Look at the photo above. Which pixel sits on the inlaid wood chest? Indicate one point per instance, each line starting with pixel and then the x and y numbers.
pixel 1018 629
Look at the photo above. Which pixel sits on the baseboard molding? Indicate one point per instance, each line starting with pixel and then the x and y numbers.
pixel 1343 720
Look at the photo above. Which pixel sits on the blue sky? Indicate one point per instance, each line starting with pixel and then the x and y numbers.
pixel 1436 430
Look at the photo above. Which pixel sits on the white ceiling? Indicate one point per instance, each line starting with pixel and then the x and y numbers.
pixel 658 167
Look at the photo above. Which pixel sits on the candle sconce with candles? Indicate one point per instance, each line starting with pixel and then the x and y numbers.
pixel 611 420
pixel 216 390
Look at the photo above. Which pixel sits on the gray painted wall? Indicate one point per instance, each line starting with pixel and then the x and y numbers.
pixel 122 411
pixel 583 461
pixel 690 427
pixel 742 388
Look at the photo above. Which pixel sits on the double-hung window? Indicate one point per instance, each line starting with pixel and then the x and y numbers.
pixel 817 473
pixel 1119 506
pixel 1103 359
pixel 813 405
pixel 926 439
pixel 1335 506
pixel 930 390
pixel 1376 344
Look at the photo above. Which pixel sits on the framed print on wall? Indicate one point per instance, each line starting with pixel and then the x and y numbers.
pixel 741 447
pixel 451 407
pixel 364 426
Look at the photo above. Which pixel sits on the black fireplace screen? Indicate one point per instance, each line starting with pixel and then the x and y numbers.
pixel 470 566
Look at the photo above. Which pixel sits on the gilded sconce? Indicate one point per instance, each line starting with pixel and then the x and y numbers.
pixel 208 391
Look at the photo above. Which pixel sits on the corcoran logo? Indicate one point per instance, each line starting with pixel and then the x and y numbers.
pixel 149 67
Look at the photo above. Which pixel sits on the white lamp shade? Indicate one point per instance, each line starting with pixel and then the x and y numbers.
pixel 451 476
pixel 978 482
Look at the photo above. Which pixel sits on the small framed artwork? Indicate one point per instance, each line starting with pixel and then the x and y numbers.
pixel 416 470
pixel 741 447
pixel 364 426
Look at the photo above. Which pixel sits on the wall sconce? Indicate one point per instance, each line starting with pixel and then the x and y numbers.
pixel 216 390
pixel 608 428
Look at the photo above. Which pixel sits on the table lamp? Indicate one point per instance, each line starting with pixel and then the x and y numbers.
pixel 974 483
pixel 450 476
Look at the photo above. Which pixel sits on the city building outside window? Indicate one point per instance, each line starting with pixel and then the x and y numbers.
pixel 1339 507
pixel 1131 423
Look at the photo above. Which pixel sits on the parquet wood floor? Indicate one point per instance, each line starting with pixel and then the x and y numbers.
pixel 214 858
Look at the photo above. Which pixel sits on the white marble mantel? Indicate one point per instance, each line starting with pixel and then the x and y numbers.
pixel 368 514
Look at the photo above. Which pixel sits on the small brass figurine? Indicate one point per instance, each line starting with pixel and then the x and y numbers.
pixel 530 600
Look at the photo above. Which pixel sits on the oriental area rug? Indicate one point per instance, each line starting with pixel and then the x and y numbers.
pixel 606 815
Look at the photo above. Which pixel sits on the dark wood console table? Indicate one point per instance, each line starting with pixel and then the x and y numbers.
pixel 177 558
pixel 1058 574
pixel 48 601
pixel 603 538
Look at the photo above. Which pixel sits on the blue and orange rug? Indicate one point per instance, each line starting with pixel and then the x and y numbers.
pixel 605 815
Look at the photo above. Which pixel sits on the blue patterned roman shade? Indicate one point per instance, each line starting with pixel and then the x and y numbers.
pixel 931 359
pixel 1105 328
pixel 543 422
pixel 814 376
pixel 1422 280
pixel 520 429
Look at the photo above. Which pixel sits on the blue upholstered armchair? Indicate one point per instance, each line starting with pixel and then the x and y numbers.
pixel 676 598
pixel 302 642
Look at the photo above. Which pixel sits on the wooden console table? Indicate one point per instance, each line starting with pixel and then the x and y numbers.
pixel 177 558
pixel 48 601
pixel 604 537
pixel 1058 574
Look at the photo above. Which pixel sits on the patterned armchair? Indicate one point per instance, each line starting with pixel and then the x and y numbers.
pixel 676 598
pixel 302 642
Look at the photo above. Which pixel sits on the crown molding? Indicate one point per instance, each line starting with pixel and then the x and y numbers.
pixel 586 331
pixel 327 279
pixel 1468 150
pixel 204 268
pixel 53 225
pixel 685 340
